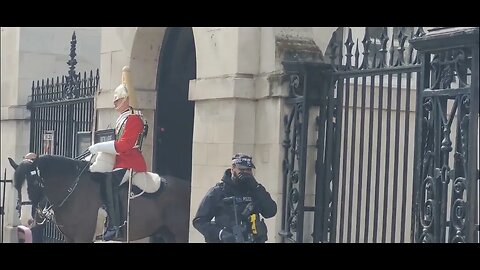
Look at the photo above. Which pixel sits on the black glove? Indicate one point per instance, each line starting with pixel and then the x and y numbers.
pixel 248 180
pixel 226 236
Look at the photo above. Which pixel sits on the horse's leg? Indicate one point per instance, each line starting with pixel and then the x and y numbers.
pixel 83 234
pixel 177 223
pixel 145 217
pixel 162 235
pixel 87 234
pixel 79 222
pixel 180 234
pixel 177 214
pixel 175 234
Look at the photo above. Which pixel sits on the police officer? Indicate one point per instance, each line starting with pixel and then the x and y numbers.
pixel 129 131
pixel 238 186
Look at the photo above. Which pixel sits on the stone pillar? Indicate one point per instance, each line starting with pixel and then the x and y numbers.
pixel 291 44
pixel 14 124
pixel 138 48
pixel 224 123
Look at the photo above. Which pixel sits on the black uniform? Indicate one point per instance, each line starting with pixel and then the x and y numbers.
pixel 213 205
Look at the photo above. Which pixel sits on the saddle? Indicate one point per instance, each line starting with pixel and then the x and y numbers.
pixel 146 181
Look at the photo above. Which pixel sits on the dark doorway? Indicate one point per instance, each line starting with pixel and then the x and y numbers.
pixel 174 113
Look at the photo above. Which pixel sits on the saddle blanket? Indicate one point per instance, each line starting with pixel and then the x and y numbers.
pixel 146 181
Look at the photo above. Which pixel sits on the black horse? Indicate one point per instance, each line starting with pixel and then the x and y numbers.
pixel 75 195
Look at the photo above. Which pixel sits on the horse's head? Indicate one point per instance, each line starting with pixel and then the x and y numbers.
pixel 29 186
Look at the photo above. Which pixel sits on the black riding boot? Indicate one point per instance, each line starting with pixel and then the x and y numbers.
pixel 113 228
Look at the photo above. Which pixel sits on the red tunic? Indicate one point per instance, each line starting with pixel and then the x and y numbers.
pixel 127 156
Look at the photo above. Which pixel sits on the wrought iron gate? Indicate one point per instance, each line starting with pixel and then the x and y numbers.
pixel 3 188
pixel 446 182
pixel 61 110
pixel 349 141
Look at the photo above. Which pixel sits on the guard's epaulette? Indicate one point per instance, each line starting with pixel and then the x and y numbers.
pixel 136 112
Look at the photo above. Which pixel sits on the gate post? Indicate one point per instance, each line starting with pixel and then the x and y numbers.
pixel 306 89
pixel 450 57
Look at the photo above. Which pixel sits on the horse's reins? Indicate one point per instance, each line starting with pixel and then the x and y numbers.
pixel 83 155
pixel 72 188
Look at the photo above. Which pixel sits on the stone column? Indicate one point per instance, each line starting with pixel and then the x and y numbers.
pixel 224 95
pixel 139 49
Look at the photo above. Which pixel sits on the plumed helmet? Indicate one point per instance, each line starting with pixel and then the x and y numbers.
pixel 120 92
pixel 125 89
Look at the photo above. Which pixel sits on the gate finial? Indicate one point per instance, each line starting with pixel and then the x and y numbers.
pixel 72 62
pixel 72 76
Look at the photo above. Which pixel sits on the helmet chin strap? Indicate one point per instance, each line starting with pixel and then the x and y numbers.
pixel 121 104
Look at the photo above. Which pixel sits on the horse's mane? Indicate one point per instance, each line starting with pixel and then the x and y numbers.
pixel 50 165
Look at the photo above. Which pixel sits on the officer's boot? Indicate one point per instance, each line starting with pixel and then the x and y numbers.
pixel 117 206
pixel 113 220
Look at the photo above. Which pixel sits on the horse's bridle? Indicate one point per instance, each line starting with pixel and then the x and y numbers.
pixel 20 203
pixel 46 213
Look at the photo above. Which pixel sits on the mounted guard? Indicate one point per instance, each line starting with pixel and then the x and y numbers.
pixel 122 157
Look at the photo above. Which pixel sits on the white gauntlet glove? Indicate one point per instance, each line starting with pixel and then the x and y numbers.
pixel 106 147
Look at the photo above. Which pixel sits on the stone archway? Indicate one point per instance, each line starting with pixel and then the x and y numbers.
pixel 163 60
pixel 174 112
